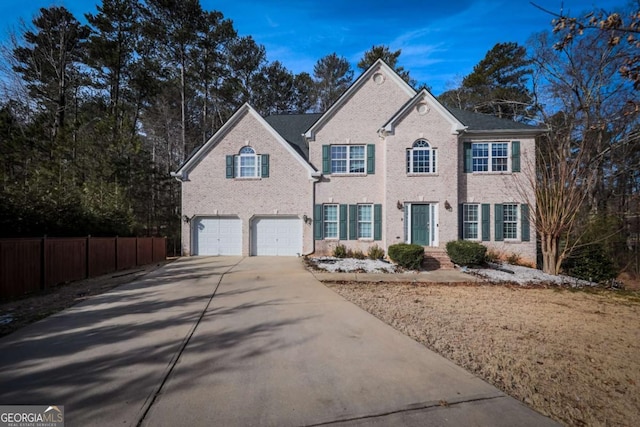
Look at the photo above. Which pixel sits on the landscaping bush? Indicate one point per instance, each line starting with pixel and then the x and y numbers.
pixel 407 256
pixel 357 254
pixel 340 251
pixel 465 252
pixel 375 252
pixel 591 263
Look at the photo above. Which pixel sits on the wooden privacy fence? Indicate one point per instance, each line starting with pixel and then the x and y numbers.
pixel 29 265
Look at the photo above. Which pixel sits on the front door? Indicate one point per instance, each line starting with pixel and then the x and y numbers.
pixel 420 225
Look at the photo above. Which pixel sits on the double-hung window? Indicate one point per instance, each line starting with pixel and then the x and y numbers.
pixel 248 163
pixel 510 221
pixel 490 156
pixel 348 159
pixel 471 221
pixel 330 219
pixel 365 221
pixel 421 158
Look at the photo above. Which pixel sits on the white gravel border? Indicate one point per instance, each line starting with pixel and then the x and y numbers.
pixel 521 275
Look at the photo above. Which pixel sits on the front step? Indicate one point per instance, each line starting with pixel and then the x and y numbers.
pixel 436 259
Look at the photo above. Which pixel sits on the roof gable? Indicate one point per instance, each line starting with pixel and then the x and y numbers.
pixel 239 115
pixel 360 81
pixel 429 101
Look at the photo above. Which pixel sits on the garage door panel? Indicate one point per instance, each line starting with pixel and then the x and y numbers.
pixel 218 236
pixel 277 236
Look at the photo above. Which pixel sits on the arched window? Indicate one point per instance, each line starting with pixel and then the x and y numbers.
pixel 248 165
pixel 421 158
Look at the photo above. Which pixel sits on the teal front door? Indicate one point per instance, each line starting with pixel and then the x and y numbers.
pixel 420 225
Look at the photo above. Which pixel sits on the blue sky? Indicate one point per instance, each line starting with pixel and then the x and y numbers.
pixel 441 41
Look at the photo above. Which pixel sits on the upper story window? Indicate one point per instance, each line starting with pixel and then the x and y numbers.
pixel 490 156
pixel 248 163
pixel 347 159
pixel 421 158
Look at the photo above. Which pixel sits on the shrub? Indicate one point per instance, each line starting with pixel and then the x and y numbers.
pixel 407 256
pixel 591 263
pixel 492 256
pixel 340 251
pixel 375 252
pixel 358 254
pixel 465 252
pixel 513 259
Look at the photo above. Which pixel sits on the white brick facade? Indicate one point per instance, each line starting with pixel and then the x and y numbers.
pixel 381 111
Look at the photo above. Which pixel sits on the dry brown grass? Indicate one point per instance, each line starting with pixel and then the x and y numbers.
pixel 574 356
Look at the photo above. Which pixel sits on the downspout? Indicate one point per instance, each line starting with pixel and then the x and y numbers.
pixel 180 178
pixel 316 176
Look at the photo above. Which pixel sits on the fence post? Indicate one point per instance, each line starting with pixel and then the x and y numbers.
pixel 117 266
pixel 43 261
pixel 87 257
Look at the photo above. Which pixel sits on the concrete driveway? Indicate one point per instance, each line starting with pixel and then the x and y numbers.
pixel 239 342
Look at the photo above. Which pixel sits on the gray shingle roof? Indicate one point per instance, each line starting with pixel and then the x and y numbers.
pixel 486 122
pixel 291 127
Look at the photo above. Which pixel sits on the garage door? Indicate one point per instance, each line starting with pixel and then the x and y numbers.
pixel 217 236
pixel 276 236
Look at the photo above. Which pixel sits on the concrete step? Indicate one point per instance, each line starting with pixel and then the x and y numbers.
pixel 436 259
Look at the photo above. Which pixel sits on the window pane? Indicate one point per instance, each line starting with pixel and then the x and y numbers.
pixel 330 221
pixel 247 166
pixel 480 155
pixel 470 216
pixel 338 159
pixel 499 157
pixel 356 156
pixel 421 161
pixel 510 219
pixel 365 220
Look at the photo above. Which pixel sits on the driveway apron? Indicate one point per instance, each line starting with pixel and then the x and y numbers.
pixel 277 348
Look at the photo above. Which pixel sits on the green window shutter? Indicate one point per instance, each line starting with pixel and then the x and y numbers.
pixel 486 223
pixel 524 217
pixel 353 222
pixel 515 156
pixel 343 222
pixel 468 159
pixel 371 159
pixel 265 166
pixel 318 230
pixel 499 223
pixel 231 161
pixel 461 221
pixel 326 159
pixel 377 222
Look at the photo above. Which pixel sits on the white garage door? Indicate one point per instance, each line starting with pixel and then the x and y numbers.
pixel 279 236
pixel 217 236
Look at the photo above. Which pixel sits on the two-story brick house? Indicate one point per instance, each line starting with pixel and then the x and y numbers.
pixel 385 164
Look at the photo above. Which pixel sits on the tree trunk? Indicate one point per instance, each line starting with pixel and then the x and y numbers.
pixel 550 258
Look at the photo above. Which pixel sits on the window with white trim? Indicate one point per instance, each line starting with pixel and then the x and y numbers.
pixel 471 221
pixel 421 158
pixel 365 221
pixel 510 221
pixel 330 219
pixel 348 159
pixel 490 156
pixel 248 163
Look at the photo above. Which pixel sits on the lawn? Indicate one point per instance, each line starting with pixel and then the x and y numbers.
pixel 571 355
